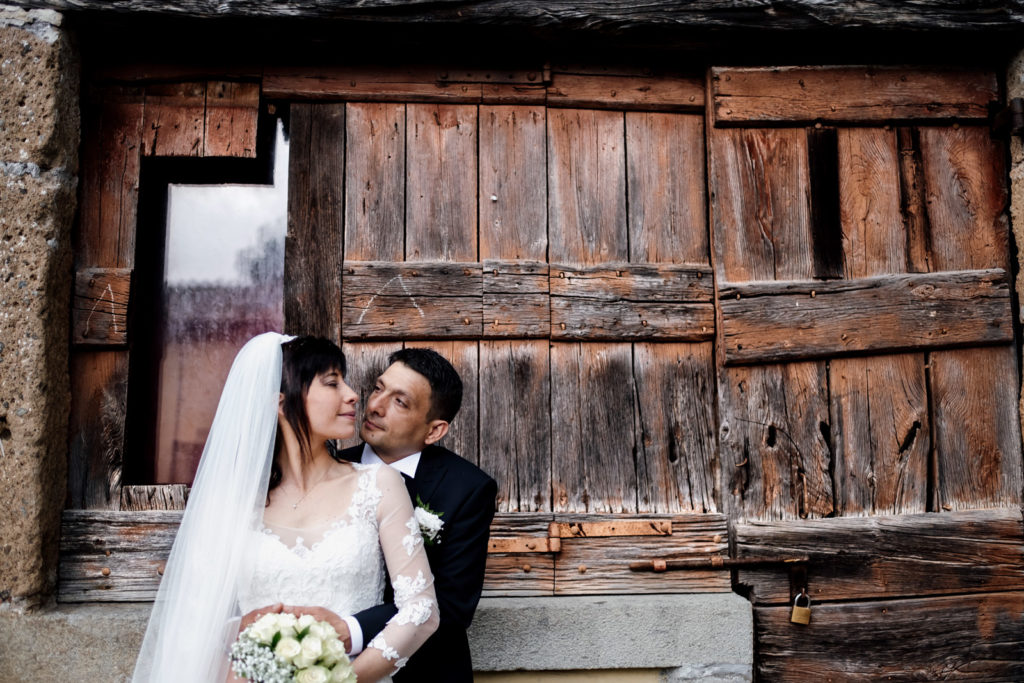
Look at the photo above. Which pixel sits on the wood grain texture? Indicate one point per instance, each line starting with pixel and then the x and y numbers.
pixel 648 93
pixel 316 168
pixel 99 310
pixel 175 118
pixel 592 438
pixel 516 301
pixel 601 565
pixel 676 442
pixel 515 423
pixel 881 433
pixel 441 182
pixel 375 182
pixel 959 638
pixel 977 428
pixel 513 191
pixel 665 166
pixel 366 361
pixel 519 574
pixel 764 322
pixel 775 441
pixel 387 300
pixel 913 203
pixel 760 204
pixel 771 95
pixel 109 192
pixel 586 187
pixel 159 497
pixel 884 557
pixel 464 434
pixel 232 110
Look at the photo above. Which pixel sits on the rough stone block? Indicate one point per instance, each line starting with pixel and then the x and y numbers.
pixel 39 120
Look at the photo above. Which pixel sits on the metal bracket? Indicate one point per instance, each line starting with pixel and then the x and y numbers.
pixel 1008 120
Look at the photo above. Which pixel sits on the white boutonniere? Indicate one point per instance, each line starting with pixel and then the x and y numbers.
pixel 429 521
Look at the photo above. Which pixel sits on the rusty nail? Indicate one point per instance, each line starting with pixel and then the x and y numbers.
pixel 563 325
pixel 644 323
pixel 956 126
pixel 105 571
pixel 107 553
pixel 391 322
pixel 561 275
pixel 737 297
pixel 465 271
pixel 527 568
pixel 465 321
pixel 817 124
pixel 582 569
pixel 693 97
pixel 659 565
pixel 160 570
pixel 717 538
pixel 494 272
pixel 703 328
pixel 813 293
pixel 842 336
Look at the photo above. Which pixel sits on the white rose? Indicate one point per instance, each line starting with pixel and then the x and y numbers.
pixel 301 661
pixel 305 621
pixel 287 648
pixel 314 674
pixel 312 647
pixel 343 673
pixel 286 619
pixel 317 630
pixel 334 652
pixel 263 629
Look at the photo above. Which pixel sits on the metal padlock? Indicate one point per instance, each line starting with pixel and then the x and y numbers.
pixel 801 615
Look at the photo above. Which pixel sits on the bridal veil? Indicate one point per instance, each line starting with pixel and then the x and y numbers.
pixel 193 617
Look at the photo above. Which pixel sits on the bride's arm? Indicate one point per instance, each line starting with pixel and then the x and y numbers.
pixel 413 584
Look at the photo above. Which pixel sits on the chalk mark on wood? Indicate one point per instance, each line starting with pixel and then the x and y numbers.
pixel 383 289
pixel 113 315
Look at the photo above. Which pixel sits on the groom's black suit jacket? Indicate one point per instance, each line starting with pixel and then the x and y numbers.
pixel 465 494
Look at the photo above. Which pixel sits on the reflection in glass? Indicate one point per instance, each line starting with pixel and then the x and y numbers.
pixel 223 283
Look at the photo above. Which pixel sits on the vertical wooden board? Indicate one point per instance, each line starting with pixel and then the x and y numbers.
pixel 174 120
pixel 965 177
pixel 881 432
pixel 775 441
pixel 513 192
pixel 519 573
pixel 515 422
pixel 665 166
pixel 441 190
pixel 375 181
pixel 109 193
pixel 977 428
pixel 676 447
pixel 464 434
pixel 99 393
pixel 760 204
pixel 586 186
pixel 913 205
pixel 232 110
pixel 874 239
pixel 593 450
pixel 366 361
pixel 313 244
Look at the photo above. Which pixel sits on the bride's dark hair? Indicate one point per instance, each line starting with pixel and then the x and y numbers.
pixel 303 358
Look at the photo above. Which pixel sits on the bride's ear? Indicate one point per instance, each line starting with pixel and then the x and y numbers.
pixel 280 404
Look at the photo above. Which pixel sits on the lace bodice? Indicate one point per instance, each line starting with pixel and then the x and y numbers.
pixel 340 565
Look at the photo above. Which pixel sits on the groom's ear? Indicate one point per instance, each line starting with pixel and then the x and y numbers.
pixel 436 432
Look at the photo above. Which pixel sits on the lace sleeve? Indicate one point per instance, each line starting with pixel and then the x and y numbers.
pixel 407 565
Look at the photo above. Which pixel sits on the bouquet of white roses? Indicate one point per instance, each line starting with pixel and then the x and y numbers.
pixel 283 648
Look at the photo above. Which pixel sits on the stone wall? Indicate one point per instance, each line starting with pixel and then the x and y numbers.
pixel 39 132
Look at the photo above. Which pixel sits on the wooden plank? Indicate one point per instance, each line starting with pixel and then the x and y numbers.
pixel 174 119
pixel 676 451
pixel 375 182
pixel 513 191
pixel 109 196
pixel 99 311
pixel 613 528
pixel 977 428
pixel 648 93
pixel 592 443
pixel 764 322
pixel 634 282
pixel 441 183
pixel 464 434
pixel 232 110
pixel 515 423
pixel 775 441
pixel 804 94
pixel 913 204
pixel 99 393
pixel 386 300
pixel 881 433
pixel 601 565
pixel 519 574
pixel 316 167
pixel 760 205
pixel 516 301
pixel 162 497
pixel 586 187
pixel 881 557
pixel 960 638
pixel 666 187
pixel 366 362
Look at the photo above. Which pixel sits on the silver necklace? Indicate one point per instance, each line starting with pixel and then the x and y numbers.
pixel 310 489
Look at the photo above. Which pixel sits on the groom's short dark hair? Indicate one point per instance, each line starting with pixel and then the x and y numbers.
pixel 445 383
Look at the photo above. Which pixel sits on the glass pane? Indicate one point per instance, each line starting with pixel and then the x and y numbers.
pixel 223 283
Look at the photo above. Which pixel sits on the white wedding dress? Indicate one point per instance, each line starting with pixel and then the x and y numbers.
pixel 340 564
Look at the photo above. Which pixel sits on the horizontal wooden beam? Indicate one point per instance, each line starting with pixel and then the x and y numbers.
pixel 765 322
pixel 590 16
pixel 848 94
pixel 100 307
pixel 858 558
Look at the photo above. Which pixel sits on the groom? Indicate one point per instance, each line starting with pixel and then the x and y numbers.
pixel 408 412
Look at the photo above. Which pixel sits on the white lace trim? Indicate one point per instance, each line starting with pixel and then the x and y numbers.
pixel 414 537
pixel 416 612
pixel 406 588
pixel 386 650
pixel 367 496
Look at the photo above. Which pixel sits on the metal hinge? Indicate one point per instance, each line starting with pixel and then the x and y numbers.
pixel 1008 120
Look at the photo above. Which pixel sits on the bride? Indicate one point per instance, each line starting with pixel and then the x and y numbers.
pixel 273 520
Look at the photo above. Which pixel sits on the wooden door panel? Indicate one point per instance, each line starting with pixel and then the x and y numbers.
pixel 463 435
